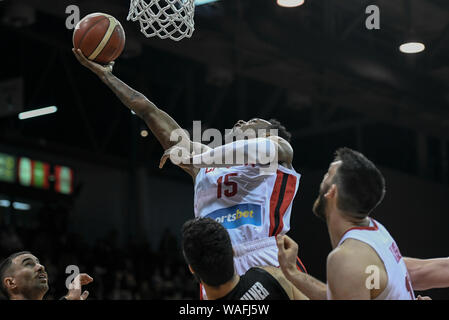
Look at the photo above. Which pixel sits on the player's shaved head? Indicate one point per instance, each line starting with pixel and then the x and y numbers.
pixel 6 269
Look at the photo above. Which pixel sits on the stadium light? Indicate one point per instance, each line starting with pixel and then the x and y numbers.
pixel 5 203
pixel 37 112
pixel 201 2
pixel 290 3
pixel 412 47
pixel 144 133
pixel 21 206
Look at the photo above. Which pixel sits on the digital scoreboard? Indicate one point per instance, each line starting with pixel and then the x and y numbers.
pixel 37 174
pixel 7 168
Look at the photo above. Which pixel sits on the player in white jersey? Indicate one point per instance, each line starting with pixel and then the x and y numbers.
pixel 252 206
pixel 255 207
pixel 365 262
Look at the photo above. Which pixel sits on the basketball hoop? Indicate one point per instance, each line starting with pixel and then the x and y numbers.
pixel 164 18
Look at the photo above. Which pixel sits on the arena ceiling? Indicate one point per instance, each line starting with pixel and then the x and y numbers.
pixel 316 68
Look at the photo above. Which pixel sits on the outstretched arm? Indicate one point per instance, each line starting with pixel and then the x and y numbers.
pixel 159 122
pixel 261 151
pixel 428 273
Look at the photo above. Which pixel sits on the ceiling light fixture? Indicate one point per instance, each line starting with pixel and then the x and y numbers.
pixel 412 47
pixel 37 112
pixel 21 206
pixel 289 3
pixel 144 133
pixel 201 2
pixel 5 203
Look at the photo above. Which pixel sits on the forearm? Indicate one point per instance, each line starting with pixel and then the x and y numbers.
pixel 131 98
pixel 313 288
pixel 254 151
pixel 428 273
pixel 159 122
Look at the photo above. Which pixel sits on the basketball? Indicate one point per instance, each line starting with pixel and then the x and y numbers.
pixel 100 37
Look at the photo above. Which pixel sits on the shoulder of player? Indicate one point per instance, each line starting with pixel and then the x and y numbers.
pixel 285 148
pixel 344 270
pixel 351 255
pixel 280 141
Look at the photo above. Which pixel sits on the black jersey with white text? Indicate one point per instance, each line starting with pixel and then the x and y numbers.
pixel 257 284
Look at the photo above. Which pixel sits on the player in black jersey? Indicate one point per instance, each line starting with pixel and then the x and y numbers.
pixel 208 251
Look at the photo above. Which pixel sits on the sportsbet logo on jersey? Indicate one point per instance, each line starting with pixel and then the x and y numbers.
pixel 238 215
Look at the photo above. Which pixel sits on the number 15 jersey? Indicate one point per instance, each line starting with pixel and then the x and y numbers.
pixel 248 202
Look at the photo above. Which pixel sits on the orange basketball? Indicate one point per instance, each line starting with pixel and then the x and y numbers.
pixel 100 37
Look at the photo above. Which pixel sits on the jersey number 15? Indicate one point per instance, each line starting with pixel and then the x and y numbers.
pixel 232 186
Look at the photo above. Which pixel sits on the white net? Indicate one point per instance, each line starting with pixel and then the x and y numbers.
pixel 164 18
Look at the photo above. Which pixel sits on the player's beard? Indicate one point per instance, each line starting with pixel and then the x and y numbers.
pixel 319 206
pixel 35 288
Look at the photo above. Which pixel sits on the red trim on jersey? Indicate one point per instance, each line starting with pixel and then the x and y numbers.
pixel 289 194
pixel 275 198
pixel 373 228
pixel 300 265
pixel 281 198
pixel 201 292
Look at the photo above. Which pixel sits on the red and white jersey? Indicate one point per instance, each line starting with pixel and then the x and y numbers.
pixel 399 286
pixel 250 205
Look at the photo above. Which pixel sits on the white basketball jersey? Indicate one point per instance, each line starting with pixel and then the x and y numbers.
pixel 250 205
pixel 375 235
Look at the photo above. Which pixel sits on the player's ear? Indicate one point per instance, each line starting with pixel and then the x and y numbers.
pixel 9 283
pixel 332 192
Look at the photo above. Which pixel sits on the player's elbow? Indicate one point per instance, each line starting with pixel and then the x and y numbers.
pixel 417 278
pixel 285 151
